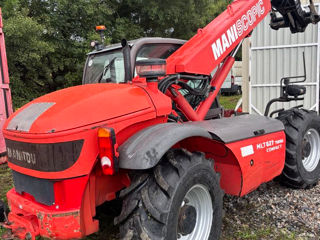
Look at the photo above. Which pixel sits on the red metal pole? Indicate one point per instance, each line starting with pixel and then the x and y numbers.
pixel 204 107
pixel 183 105
pixel 217 83
pixel 5 93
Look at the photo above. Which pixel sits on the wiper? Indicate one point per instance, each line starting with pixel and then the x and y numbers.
pixel 105 69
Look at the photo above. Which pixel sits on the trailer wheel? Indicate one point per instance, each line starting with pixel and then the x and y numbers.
pixel 302 166
pixel 180 199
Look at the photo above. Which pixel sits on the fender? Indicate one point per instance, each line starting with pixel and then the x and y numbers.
pixel 145 149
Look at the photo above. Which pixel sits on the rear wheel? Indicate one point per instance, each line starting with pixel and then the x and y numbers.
pixel 302 166
pixel 180 199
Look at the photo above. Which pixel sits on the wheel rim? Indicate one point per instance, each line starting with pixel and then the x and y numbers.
pixel 199 197
pixel 311 153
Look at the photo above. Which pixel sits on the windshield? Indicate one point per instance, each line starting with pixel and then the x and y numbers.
pixel 105 67
pixel 163 50
pixel 108 66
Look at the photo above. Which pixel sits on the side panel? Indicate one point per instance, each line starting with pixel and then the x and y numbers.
pixel 225 162
pixel 261 159
pixel 243 165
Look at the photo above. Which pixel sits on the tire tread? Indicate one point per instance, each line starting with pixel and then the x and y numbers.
pixel 293 120
pixel 144 219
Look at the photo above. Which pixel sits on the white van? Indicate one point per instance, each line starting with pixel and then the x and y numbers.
pixel 232 84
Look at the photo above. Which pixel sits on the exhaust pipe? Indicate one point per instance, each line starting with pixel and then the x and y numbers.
pixel 127 60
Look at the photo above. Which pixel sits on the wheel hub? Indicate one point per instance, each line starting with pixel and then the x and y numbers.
pixel 310 150
pixel 187 220
pixel 196 214
pixel 306 148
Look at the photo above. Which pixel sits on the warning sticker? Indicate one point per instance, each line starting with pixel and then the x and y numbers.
pixel 247 151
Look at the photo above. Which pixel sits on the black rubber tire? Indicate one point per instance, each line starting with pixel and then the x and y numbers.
pixel 239 91
pixel 297 122
pixel 152 204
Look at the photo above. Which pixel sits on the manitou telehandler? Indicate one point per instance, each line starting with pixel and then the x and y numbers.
pixel 146 127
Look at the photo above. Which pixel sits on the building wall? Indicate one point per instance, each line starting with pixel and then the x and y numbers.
pixel 277 54
pixel 307 1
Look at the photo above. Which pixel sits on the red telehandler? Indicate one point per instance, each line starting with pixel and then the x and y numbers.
pixel 146 127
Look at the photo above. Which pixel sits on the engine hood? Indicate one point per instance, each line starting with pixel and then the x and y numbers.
pixel 79 106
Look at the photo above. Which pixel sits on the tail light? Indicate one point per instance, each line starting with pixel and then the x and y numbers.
pixel 232 80
pixel 107 155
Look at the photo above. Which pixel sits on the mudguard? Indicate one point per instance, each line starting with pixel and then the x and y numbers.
pixel 145 149
pixel 233 129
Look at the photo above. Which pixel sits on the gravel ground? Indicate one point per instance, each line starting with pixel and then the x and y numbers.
pixel 273 212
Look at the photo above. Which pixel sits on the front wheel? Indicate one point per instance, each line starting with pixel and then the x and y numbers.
pixel 302 166
pixel 180 199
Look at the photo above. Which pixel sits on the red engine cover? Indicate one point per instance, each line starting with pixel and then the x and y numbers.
pixel 79 106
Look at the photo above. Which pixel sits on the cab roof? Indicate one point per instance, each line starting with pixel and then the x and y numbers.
pixel 140 41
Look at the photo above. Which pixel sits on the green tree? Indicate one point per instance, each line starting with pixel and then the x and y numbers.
pixel 166 18
pixel 26 53
pixel 47 40
pixel 70 26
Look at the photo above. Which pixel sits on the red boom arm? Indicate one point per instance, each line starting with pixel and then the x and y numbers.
pixel 213 45
pixel 210 46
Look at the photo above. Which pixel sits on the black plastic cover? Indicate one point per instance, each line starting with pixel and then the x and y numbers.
pixel 233 129
pixel 41 189
pixel 45 157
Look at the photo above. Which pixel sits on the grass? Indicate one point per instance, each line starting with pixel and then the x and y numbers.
pixel 246 233
pixel 5 181
pixel 5 185
pixel 2 231
pixel 229 102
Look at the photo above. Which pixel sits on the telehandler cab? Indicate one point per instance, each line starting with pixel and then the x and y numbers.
pixel 146 127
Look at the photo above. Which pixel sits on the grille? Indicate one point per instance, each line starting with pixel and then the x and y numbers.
pixel 51 157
